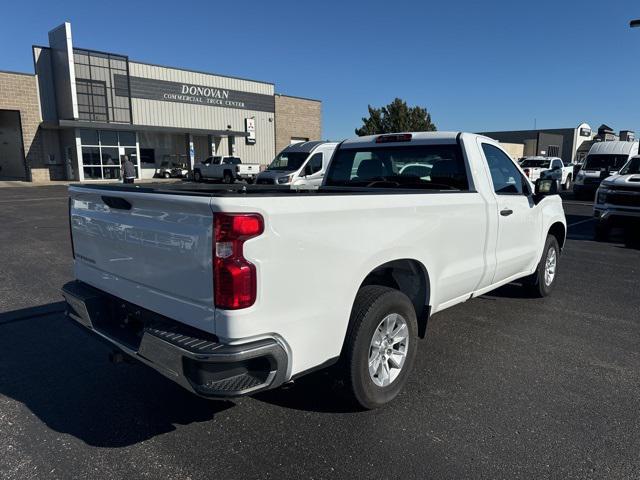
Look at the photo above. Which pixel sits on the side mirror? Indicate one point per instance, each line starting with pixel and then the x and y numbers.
pixel 308 170
pixel 545 187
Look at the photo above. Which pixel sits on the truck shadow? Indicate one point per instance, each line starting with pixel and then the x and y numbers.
pixel 320 391
pixel 63 376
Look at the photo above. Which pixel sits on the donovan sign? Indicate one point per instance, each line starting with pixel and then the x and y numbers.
pixel 166 91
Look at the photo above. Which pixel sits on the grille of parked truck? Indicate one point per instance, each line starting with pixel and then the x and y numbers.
pixel 229 290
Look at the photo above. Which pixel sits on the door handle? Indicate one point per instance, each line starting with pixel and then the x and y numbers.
pixel 506 212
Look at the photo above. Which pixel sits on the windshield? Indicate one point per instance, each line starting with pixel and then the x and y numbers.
pixel 438 167
pixel 535 163
pixel 631 168
pixel 598 162
pixel 288 161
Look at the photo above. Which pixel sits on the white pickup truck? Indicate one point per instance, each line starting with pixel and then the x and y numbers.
pixel 548 167
pixel 618 199
pixel 232 290
pixel 227 169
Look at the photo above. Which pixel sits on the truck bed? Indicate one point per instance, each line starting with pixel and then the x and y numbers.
pixel 241 190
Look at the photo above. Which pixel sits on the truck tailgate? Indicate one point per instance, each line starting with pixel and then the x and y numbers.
pixel 153 250
pixel 246 168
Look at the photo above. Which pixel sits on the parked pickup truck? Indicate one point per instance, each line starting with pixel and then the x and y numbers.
pixel 548 167
pixel 618 199
pixel 232 290
pixel 227 169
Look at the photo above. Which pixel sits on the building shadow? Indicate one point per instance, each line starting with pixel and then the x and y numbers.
pixel 62 374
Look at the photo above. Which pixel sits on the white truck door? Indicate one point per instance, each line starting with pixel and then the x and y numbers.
pixel 204 166
pixel 518 220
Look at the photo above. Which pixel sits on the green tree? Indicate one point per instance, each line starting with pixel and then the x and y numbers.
pixel 396 117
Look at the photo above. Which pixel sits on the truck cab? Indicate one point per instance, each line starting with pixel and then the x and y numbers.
pixel 301 165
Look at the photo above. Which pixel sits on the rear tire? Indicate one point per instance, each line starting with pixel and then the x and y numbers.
pixel 197 176
pixel 541 282
pixel 377 359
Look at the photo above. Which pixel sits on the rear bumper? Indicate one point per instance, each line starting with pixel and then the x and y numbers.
pixel 194 359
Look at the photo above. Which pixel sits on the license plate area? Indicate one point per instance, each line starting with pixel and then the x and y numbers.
pixel 122 321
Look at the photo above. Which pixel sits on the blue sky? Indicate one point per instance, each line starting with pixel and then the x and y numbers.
pixel 476 66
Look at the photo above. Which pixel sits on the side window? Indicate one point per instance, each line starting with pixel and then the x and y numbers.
pixel 505 175
pixel 315 164
pixel 217 160
pixel 208 161
pixel 556 164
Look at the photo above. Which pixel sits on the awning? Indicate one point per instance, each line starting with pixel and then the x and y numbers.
pixel 144 128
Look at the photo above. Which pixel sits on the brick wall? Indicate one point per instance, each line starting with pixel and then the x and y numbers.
pixel 20 92
pixel 297 117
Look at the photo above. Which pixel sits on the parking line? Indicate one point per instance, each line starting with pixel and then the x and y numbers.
pixel 581 221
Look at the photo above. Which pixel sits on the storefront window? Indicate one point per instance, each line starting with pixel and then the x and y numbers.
pixel 101 151
pixel 89 137
pixel 127 138
pixel 110 156
pixel 108 137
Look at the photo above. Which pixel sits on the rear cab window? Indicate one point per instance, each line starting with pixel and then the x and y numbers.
pixel 427 167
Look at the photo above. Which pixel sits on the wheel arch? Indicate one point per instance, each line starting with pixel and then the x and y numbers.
pixel 410 277
pixel 559 230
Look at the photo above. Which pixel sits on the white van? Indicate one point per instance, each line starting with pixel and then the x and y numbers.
pixel 604 159
pixel 300 165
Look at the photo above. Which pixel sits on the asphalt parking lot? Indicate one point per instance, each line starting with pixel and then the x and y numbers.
pixel 503 386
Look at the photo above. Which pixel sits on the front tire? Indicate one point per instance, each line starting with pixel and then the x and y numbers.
pixel 567 183
pixel 227 178
pixel 380 347
pixel 542 281
pixel 197 176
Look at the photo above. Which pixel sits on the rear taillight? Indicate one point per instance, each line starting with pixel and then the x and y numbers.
pixel 234 281
pixel 73 250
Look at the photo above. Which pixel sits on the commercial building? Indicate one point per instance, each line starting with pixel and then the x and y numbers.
pixel 82 109
pixel 570 144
